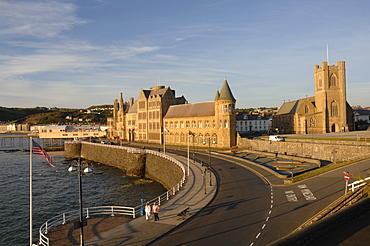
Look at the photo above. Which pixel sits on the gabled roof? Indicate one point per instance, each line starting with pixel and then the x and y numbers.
pixel 191 110
pixel 293 106
pixel 133 108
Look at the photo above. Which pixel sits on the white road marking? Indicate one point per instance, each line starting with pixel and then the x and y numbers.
pixel 290 195
pixel 308 194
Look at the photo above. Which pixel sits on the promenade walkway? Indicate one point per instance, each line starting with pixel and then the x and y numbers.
pixel 194 194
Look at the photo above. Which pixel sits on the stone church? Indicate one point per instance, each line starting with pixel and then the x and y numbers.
pixel 327 111
pixel 158 116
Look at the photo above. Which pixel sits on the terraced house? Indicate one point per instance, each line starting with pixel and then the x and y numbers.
pixel 158 116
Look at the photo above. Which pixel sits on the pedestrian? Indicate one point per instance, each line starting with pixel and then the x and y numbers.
pixel 147 211
pixel 155 210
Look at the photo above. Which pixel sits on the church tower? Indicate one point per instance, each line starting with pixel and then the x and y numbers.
pixel 225 115
pixel 330 97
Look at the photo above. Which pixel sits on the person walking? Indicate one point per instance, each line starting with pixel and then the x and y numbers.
pixel 147 211
pixel 155 210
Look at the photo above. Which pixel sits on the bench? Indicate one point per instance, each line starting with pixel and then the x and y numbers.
pixel 183 214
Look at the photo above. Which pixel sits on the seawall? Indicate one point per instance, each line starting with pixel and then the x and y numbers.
pixel 332 151
pixel 136 162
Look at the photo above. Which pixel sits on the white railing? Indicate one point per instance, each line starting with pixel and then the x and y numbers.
pixel 87 212
pixel 113 210
pixel 357 184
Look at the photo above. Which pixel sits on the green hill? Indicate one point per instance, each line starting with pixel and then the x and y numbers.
pixel 41 115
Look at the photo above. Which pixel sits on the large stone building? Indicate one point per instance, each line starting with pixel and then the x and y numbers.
pixel 158 116
pixel 328 111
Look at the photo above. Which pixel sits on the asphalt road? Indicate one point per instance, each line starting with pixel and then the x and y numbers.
pixel 235 216
pixel 248 211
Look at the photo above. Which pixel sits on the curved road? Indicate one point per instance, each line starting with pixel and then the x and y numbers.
pixel 248 211
pixel 236 215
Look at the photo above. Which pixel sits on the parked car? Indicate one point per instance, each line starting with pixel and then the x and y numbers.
pixel 103 142
pixel 276 138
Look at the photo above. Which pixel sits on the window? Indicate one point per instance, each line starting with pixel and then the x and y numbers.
pixel 194 124
pixel 333 80
pixel 334 109
pixel 306 110
pixel 226 124
pixel 200 124
pixel 220 123
pixel 181 124
pixel 171 124
pixel 206 124
pixel 312 122
pixel 187 124
pixel 224 108
pixel 214 124
pixel 176 124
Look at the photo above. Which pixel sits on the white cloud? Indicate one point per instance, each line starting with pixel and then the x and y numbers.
pixel 40 19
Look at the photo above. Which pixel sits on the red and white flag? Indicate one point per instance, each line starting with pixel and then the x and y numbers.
pixel 37 150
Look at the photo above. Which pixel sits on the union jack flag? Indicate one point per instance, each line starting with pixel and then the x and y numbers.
pixel 37 150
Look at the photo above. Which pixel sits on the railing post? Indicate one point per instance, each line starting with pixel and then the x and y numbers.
pixel 64 219
pixel 87 213
pixel 134 213
pixel 46 227
pixel 112 212
pixel 168 196
pixel 159 201
pixel 174 191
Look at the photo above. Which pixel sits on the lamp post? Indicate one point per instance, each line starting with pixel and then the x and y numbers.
pixel 80 202
pixel 209 160
pixel 80 224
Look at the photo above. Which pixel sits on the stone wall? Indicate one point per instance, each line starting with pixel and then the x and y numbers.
pixel 322 150
pixel 136 162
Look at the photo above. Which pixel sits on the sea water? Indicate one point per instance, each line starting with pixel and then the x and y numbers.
pixel 55 191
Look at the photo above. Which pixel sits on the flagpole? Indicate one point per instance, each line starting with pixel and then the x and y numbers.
pixel 30 191
pixel 164 141
pixel 188 154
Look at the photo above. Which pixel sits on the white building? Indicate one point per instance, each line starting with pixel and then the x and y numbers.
pixel 252 123
pixel 71 132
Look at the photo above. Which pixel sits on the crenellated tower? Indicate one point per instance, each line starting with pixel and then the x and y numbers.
pixel 330 97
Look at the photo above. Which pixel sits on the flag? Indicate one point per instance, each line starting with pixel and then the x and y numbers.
pixel 166 130
pixel 191 133
pixel 37 150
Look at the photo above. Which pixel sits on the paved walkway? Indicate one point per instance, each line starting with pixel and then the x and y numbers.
pixel 141 232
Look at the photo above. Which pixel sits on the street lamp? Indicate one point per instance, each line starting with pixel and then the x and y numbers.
pixel 209 160
pixel 80 224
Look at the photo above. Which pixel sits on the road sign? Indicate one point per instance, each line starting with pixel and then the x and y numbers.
pixel 346 177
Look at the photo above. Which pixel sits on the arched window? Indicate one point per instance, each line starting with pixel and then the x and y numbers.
pixel 306 110
pixel 334 109
pixel 320 82
pixel 226 124
pixel 312 122
pixel 333 80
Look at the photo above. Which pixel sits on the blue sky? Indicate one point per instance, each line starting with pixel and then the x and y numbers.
pixel 75 54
